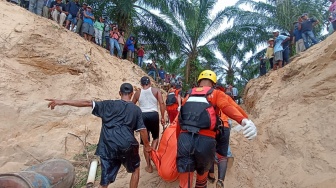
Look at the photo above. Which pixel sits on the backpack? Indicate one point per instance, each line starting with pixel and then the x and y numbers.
pixel 197 112
pixel 171 97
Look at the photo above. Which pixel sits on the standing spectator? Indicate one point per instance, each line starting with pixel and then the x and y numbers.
pixel 73 8
pixel 80 18
pixel 297 39
pixel 130 48
pixel 235 93
pixel 167 78
pixel 114 37
pixel 121 40
pixel 152 70
pixel 162 75
pixel 332 10
pixel 285 52
pixel 141 53
pixel 57 9
pixel 36 6
pixel 262 66
pixel 228 90
pixel 107 35
pixel 306 28
pixel 88 24
pixel 173 79
pixel 179 81
pixel 98 28
pixel 270 52
pixel 45 9
pixel 278 55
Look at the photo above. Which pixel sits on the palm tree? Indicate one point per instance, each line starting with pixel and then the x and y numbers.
pixel 197 32
pixel 273 14
pixel 172 66
pixel 233 44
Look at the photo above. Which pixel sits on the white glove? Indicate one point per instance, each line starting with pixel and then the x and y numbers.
pixel 178 108
pixel 250 130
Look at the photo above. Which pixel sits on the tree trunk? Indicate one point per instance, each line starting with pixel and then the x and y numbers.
pixel 187 73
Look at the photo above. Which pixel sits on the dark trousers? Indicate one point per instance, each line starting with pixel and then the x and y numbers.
pixel 271 62
pixel 107 42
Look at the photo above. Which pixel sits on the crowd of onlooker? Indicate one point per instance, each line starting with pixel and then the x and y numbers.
pixel 303 37
pixel 278 50
pixel 161 76
pixel 79 18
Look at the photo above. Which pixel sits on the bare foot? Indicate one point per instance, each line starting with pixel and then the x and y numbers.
pixel 149 169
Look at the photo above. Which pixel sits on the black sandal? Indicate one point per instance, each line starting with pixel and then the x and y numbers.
pixel 211 179
pixel 220 184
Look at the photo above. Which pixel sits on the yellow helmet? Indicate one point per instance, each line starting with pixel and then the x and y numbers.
pixel 208 74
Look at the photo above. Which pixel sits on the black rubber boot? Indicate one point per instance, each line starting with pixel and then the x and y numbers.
pixel 222 166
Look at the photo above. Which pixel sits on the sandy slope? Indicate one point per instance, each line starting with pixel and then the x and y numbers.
pixel 293 108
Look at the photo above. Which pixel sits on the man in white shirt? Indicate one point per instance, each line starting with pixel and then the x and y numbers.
pixel 149 98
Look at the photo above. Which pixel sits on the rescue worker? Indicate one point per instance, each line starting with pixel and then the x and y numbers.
pixel 197 130
pixel 173 101
pixel 222 146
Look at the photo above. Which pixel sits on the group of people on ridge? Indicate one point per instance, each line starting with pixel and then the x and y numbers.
pixel 278 52
pixel 202 132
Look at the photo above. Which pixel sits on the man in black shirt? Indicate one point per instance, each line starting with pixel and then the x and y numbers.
pixel 306 28
pixel 58 9
pixel 117 144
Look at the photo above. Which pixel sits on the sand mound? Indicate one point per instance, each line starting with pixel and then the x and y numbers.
pixel 293 107
pixel 294 110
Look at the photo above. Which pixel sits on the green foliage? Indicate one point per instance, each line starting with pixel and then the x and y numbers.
pixel 195 30
pixel 251 28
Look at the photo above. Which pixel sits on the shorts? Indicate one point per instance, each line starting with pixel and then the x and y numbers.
pixel 195 152
pixel 72 19
pixel 278 57
pixel 88 29
pixel 152 123
pixel 223 140
pixel 130 159
pixel 130 54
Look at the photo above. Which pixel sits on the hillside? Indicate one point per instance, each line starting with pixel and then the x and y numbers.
pixel 292 108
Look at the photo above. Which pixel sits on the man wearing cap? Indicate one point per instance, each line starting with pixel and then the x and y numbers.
pixel 57 9
pixel 306 28
pixel 278 49
pixel 88 29
pixel 149 98
pixel 270 52
pixel 117 144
